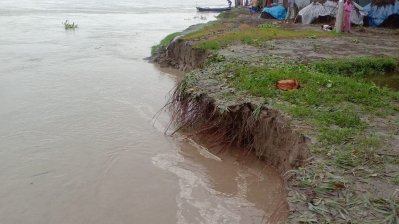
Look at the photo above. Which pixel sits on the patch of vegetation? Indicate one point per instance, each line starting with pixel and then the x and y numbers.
pixel 361 66
pixel 337 135
pixel 323 97
pixel 337 109
pixel 232 14
pixel 396 180
pixel 266 25
pixel 70 26
pixel 220 35
pixel 335 106
pixel 389 207
pixel 215 58
pixel 164 42
pixel 330 199
pixel 208 45
pixel 211 28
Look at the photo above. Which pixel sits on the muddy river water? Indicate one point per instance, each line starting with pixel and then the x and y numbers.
pixel 78 143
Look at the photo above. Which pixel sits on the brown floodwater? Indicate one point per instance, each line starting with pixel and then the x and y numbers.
pixel 78 139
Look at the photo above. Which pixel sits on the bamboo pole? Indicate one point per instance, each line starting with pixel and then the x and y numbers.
pixel 339 18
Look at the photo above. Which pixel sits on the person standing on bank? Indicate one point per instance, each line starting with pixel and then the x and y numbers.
pixel 229 1
pixel 348 6
pixel 254 6
pixel 290 10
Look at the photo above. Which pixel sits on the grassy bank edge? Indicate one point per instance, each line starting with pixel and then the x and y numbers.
pixel 324 190
pixel 337 108
pixel 164 43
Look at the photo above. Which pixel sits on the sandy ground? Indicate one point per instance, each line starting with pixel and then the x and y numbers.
pixel 361 42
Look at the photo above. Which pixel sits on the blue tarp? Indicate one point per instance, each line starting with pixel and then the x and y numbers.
pixel 277 11
pixel 377 15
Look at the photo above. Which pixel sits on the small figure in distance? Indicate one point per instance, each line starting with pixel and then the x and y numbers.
pixel 253 6
pixel 290 11
pixel 348 6
pixel 229 1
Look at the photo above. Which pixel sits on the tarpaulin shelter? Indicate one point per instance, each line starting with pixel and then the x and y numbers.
pixel 313 11
pixel 379 12
pixel 276 11
pixel 302 3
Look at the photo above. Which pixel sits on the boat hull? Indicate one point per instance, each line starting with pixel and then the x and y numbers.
pixel 202 9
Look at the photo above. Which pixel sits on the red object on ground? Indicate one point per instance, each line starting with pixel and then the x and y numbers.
pixel 286 85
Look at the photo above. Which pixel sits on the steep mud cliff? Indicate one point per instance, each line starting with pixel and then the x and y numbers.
pixel 199 105
pixel 180 54
pixel 246 125
pixel 228 98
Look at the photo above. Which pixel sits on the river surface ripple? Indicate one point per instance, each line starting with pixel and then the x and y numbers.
pixel 78 143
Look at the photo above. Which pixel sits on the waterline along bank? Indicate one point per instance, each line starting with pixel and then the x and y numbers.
pixel 334 138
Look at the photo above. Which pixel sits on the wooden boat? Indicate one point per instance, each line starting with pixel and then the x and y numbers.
pixel 207 9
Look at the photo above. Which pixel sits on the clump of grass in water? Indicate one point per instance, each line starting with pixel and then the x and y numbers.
pixel 70 26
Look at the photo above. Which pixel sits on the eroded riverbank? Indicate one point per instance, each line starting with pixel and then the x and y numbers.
pixel 349 126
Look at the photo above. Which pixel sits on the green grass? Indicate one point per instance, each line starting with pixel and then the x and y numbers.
pixel 361 66
pixel 70 26
pixel 337 136
pixel 334 107
pixel 320 94
pixel 389 207
pixel 232 14
pixel 327 206
pixel 219 35
pixel 164 42
pixel 396 180
pixel 210 29
pixel 208 45
pixel 333 104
